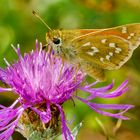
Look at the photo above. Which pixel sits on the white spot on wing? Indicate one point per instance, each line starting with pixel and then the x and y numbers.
pixel 103 41
pixel 112 45
pixel 108 57
pixel 124 30
pixel 129 37
pixel 119 49
pixel 102 59
pixel 132 34
pixel 90 53
pixel 116 51
pixel 111 53
pixel 95 49
pixel 86 44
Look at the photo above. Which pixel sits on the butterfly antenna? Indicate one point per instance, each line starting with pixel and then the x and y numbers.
pixel 41 20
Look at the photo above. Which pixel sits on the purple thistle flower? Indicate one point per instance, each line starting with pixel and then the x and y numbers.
pixel 42 83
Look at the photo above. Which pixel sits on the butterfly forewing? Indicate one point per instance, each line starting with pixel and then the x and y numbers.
pixel 109 48
pixel 130 32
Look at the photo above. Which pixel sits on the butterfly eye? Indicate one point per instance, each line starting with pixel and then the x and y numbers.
pixel 56 41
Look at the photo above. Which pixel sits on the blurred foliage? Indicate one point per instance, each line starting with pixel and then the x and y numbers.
pixel 18 25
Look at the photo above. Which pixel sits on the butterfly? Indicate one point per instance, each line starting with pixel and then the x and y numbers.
pixel 95 50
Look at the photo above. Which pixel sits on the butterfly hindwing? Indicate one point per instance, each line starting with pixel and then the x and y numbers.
pixel 93 70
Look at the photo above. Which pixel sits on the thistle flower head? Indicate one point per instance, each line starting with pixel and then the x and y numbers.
pixel 43 82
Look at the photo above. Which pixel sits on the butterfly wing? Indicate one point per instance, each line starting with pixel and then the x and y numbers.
pixel 93 70
pixel 102 52
pixel 130 32
pixel 109 48
pixel 106 49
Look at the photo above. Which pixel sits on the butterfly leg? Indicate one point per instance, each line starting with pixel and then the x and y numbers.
pixel 77 67
pixel 44 47
pixel 93 70
pixel 61 69
pixel 76 71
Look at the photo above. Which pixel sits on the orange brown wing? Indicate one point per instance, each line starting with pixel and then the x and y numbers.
pixel 130 32
pixel 108 48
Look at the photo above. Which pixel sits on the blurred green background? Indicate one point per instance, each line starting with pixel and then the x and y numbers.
pixel 19 25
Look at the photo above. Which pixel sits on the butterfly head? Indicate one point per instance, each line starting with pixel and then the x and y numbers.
pixel 54 39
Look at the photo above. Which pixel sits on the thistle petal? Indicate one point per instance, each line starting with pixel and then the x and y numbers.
pixel 98 107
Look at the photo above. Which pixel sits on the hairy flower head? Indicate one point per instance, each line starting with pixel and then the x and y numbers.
pixel 43 83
